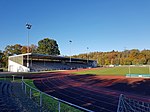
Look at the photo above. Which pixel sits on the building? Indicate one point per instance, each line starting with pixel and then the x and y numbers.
pixel 31 62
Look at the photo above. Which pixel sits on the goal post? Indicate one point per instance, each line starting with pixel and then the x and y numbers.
pixel 127 104
pixel 138 71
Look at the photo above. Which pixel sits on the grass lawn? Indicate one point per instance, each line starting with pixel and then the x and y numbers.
pixel 115 71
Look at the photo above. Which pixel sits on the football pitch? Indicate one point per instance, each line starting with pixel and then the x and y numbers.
pixel 115 71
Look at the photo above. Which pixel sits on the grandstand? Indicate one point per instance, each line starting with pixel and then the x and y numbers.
pixel 40 62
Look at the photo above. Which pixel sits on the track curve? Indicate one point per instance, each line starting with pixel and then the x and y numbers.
pixel 78 93
pixel 89 91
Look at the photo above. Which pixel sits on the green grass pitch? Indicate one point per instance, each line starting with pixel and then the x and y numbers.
pixel 116 71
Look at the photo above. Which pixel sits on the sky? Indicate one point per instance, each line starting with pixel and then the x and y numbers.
pixel 99 25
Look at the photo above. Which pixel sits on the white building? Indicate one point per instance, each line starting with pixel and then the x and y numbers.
pixel 40 62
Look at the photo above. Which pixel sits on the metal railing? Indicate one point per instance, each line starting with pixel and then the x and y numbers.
pixel 27 88
pixel 127 104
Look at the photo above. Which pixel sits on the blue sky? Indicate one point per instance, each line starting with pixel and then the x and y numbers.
pixel 100 25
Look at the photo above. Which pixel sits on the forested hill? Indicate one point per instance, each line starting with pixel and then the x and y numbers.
pixel 127 57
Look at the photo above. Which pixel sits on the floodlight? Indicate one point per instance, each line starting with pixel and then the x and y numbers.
pixel 28 26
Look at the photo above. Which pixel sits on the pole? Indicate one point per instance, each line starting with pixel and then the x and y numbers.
pixel 22 82
pixel 28 50
pixel 30 93
pixel 119 104
pixel 59 106
pixel 149 69
pixel 129 69
pixel 87 55
pixel 40 99
pixel 28 26
pixel 70 50
pixel 13 78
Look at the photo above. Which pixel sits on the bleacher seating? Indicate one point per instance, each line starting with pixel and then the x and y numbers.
pixel 51 65
pixel 7 103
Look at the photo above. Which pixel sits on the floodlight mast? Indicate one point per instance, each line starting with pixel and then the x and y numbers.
pixel 28 26
pixel 70 41
pixel 87 54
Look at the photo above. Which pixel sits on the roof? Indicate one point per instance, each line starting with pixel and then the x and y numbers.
pixel 44 56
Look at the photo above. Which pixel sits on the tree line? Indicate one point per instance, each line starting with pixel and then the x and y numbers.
pixel 46 46
pixel 50 47
pixel 126 57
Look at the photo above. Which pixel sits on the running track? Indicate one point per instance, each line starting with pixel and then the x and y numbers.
pixel 86 91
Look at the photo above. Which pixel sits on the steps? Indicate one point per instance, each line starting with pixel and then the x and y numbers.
pixel 7 103
pixel 12 99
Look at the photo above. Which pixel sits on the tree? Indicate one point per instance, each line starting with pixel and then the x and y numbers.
pixel 17 49
pixel 48 46
pixel 13 49
pixel 4 61
pixel 8 50
pixel 1 56
pixel 32 49
pixel 24 49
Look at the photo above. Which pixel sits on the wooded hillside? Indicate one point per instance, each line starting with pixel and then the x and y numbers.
pixel 127 57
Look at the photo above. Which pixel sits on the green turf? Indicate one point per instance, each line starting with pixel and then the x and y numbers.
pixel 115 71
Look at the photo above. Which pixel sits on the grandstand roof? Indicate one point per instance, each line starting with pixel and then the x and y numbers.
pixel 44 56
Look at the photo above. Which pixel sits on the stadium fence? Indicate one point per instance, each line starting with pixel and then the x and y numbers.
pixel 127 104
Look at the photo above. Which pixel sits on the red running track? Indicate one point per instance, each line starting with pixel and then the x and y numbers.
pixel 88 91
pixel 64 87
